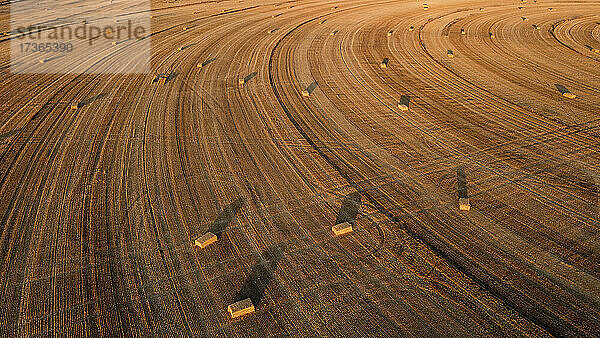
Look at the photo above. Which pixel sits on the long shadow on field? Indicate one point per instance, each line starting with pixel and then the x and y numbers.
pixel 171 76
pixel 207 62
pixel 562 89
pixel 90 100
pixel 462 182
pixel 250 76
pixel 311 88
pixel 349 209
pixel 225 218
pixel 405 100
pixel 261 274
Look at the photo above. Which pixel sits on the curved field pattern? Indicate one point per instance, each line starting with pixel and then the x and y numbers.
pixel 375 112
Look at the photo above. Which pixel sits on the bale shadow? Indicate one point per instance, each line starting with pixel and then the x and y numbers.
pixel 405 100
pixel 208 61
pixel 562 89
pixel 349 209
pixel 187 46
pixel 462 182
pixel 250 76
pixel 312 87
pixel 171 76
pixel 261 274
pixel 53 58
pixel 226 216
pixel 90 100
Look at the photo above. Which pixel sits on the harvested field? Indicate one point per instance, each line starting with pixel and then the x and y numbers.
pixel 203 197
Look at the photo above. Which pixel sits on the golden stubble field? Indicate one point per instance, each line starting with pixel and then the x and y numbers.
pixel 267 123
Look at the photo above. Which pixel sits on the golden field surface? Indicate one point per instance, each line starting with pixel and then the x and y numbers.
pixel 100 204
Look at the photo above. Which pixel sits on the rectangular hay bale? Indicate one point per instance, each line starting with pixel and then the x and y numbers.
pixel 240 308
pixel 464 204
pixel 205 240
pixel 384 63
pixel 342 228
